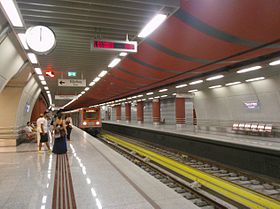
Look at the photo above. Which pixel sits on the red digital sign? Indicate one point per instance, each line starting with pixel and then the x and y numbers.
pixel 123 46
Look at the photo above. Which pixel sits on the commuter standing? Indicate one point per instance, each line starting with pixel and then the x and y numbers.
pixel 42 129
pixel 68 122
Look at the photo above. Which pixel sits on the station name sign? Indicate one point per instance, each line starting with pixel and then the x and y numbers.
pixel 114 45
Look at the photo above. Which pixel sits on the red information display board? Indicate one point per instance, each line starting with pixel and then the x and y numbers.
pixel 110 45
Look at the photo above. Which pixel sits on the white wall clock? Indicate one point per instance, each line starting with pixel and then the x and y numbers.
pixel 40 39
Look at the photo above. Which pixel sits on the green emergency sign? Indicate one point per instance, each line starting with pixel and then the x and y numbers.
pixel 72 74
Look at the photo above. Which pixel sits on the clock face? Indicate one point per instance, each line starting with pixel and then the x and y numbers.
pixel 40 39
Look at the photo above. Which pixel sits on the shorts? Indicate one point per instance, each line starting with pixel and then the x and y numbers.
pixel 44 138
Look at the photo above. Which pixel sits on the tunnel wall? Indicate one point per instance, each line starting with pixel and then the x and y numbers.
pixel 227 103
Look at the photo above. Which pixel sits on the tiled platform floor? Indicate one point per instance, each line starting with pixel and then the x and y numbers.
pixel 101 178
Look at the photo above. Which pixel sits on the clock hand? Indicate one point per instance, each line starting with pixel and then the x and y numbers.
pixel 40 34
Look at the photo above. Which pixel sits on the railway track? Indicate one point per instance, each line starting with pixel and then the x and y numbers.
pixel 189 191
pixel 230 188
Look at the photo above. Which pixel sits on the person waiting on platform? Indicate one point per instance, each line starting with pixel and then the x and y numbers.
pixel 68 122
pixel 59 146
pixel 30 133
pixel 42 128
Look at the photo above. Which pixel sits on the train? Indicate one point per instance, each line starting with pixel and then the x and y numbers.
pixel 88 119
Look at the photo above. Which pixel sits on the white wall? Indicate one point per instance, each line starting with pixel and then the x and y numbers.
pixel 227 103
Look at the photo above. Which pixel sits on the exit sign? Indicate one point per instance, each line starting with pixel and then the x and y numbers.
pixel 72 74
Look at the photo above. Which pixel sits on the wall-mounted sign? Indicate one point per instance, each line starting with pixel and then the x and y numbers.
pixel 72 82
pixel 64 97
pixel 252 104
pixel 113 45
pixel 72 74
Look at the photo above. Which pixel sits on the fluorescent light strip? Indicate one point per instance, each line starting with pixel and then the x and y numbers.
pixel 38 71
pixel 48 92
pixel 41 78
pixel 83 92
pixel 123 54
pixel 277 62
pixel 150 93
pixel 165 95
pixel 162 90
pixel 233 83
pixel 181 86
pixel 216 86
pixel 174 94
pixel 87 88
pixel 44 83
pixel 214 77
pixel 92 83
pixel 141 95
pixel 104 72
pixel 12 12
pixel 96 79
pixel 152 25
pixel 157 97
pixel 114 62
pixel 151 98
pixel 249 69
pixel 196 82
pixel 46 88
pixel 22 38
pixel 32 58
pixel 255 79
pixel 194 90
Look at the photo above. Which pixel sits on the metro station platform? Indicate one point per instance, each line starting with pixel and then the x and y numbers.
pixel 254 154
pixel 90 175
pixel 257 141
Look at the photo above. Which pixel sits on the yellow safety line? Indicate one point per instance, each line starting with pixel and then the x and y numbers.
pixel 235 192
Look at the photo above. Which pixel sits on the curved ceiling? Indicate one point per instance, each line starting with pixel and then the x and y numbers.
pixel 200 37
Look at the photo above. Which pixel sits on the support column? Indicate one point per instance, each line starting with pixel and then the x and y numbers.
pixel 140 112
pixel 118 112
pixel 156 111
pixel 128 112
pixel 180 110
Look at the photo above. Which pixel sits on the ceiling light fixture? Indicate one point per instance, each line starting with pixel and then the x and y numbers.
pixel 41 78
pixel 32 58
pixel 214 77
pixel 157 97
pixel 249 69
pixel 96 79
pixel 92 83
pixel 277 62
pixel 194 90
pixel 151 98
pixel 216 86
pixel 22 39
pixel 174 94
pixel 162 90
pixel 44 83
pixel 46 88
pixel 12 12
pixel 150 93
pixel 165 95
pixel 152 25
pixel 255 79
pixel 140 95
pixel 233 83
pixel 87 88
pixel 38 71
pixel 83 92
pixel 123 54
pixel 196 82
pixel 103 73
pixel 181 86
pixel 114 62
pixel 48 92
